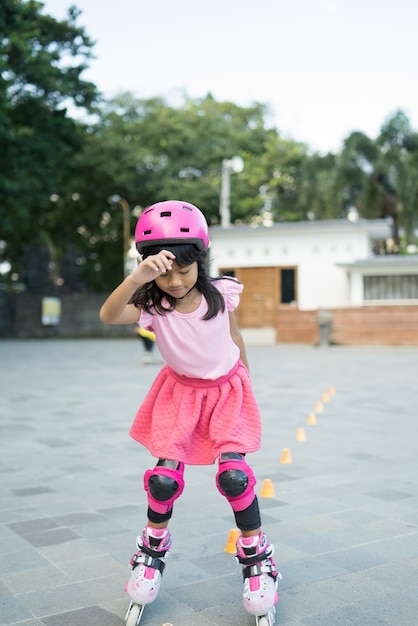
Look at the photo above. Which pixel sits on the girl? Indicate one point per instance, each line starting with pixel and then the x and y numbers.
pixel 201 406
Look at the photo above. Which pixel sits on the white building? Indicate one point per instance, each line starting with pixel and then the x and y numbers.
pixel 311 266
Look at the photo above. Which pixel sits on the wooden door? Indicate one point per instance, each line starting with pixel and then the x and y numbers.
pixel 259 300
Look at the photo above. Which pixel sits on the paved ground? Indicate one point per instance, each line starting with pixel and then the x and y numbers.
pixel 344 517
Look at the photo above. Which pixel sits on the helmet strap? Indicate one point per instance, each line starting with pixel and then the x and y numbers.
pixel 186 294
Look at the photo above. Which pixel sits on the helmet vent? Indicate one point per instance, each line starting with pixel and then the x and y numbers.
pixel 165 214
pixel 185 230
pixel 147 232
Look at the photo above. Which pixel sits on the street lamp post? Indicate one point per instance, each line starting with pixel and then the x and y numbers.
pixel 117 199
pixel 235 165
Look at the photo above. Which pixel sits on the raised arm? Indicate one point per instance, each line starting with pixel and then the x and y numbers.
pixel 116 309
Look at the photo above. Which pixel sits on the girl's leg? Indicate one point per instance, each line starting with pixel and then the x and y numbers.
pixel 163 484
pixel 235 481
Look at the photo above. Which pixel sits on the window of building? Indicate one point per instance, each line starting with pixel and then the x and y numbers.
pixel 287 285
pixel 391 287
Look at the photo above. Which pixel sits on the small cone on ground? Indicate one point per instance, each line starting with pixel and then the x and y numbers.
pixel 311 420
pixel 325 396
pixel 267 490
pixel 286 456
pixel 319 407
pixel 230 547
pixel 300 434
pixel 331 391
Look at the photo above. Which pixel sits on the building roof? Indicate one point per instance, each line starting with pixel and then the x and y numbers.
pixel 375 229
pixel 385 260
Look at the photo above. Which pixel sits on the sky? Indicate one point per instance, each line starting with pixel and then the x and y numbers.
pixel 323 67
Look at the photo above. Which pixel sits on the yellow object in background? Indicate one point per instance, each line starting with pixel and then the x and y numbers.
pixel 145 333
pixel 51 311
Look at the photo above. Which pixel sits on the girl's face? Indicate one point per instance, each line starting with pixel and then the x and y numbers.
pixel 179 281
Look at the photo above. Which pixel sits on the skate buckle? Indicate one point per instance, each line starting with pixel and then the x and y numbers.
pixel 148 561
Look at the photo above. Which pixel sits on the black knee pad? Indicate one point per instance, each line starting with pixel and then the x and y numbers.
pixel 163 486
pixel 235 480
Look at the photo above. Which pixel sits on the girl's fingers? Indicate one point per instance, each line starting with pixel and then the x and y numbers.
pixel 160 263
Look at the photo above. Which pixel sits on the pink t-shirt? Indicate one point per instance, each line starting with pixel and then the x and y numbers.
pixel 195 347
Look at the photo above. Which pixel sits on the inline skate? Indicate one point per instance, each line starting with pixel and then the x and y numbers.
pixel 148 565
pixel 261 578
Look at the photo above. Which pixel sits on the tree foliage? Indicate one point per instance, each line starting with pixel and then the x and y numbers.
pixel 41 62
pixel 64 179
pixel 146 151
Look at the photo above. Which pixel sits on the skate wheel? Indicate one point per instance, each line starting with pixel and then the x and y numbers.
pixel 134 614
pixel 266 620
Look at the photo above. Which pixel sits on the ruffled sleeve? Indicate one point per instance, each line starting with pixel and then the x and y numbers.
pixel 231 289
pixel 145 320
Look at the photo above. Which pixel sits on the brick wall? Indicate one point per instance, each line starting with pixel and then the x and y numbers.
pixel 294 326
pixel 368 325
pixel 375 325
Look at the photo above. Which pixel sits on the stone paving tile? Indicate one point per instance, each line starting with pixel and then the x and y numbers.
pixel 350 588
pixel 344 516
pixel 34 579
pixel 346 616
pixel 401 576
pixel 91 616
pixel 93 567
pixel 354 559
pixel 20 560
pixel 51 537
pixel 396 548
pixel 395 608
pixel 12 610
pixel 309 569
pixel 391 527
pixel 31 622
pixel 57 599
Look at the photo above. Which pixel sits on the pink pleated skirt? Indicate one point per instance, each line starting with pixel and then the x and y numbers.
pixel 194 421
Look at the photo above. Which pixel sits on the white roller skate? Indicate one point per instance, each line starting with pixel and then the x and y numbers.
pixel 261 578
pixel 147 569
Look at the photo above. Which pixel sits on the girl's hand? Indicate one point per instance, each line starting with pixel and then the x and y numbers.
pixel 152 267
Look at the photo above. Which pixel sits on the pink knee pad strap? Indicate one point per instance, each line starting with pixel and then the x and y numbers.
pixel 236 471
pixel 162 496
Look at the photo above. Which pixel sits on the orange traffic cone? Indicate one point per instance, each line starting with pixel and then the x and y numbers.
pixel 300 434
pixel 230 547
pixel 267 490
pixel 286 456
pixel 311 421
pixel 325 396
pixel 319 407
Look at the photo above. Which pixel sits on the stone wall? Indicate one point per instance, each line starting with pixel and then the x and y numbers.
pixel 21 316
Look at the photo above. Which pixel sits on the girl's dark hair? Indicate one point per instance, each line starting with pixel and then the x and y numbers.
pixel 150 296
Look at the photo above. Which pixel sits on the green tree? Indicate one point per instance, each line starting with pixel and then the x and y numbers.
pixel 396 171
pixel 379 177
pixel 41 63
pixel 146 151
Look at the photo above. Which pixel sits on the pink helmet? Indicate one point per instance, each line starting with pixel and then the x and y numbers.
pixel 172 221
